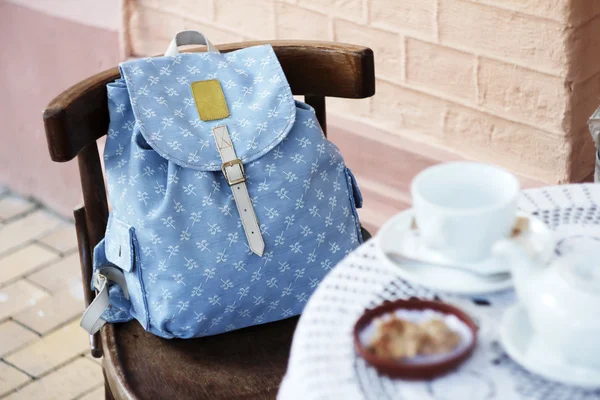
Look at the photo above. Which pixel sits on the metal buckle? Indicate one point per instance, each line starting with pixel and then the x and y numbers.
pixel 231 163
pixel 99 281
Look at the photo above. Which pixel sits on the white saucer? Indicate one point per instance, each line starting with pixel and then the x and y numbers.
pixel 396 236
pixel 524 347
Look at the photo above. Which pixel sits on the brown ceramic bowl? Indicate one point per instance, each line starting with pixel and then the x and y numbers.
pixel 398 369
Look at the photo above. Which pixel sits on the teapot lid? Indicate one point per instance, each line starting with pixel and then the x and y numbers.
pixel 577 255
pixel 582 270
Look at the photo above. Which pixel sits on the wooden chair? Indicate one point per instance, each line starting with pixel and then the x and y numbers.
pixel 244 364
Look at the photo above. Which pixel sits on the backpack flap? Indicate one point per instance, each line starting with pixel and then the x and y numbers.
pixel 261 109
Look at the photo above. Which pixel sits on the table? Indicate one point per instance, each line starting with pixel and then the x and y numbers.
pixel 323 364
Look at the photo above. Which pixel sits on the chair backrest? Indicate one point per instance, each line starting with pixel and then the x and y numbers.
pixel 78 117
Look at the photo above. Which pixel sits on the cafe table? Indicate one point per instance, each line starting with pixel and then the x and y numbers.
pixel 323 363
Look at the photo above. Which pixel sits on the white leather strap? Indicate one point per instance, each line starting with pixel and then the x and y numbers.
pixel 189 37
pixel 91 320
pixel 233 169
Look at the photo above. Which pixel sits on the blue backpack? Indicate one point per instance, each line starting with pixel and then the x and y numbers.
pixel 228 204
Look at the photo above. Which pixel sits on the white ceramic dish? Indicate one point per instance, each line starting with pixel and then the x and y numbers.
pixel 396 236
pixel 527 349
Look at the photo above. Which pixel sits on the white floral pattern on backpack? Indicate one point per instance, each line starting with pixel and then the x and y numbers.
pixel 192 273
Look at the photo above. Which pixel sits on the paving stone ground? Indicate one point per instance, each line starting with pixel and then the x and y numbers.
pixel 44 354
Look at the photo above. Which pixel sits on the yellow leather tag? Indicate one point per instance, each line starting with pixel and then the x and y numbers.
pixel 210 100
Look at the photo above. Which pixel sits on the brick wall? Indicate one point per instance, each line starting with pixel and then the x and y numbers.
pixel 504 81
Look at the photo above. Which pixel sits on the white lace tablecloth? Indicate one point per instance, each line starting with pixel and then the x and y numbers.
pixel 324 365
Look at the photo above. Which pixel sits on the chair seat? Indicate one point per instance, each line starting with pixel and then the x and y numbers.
pixel 244 364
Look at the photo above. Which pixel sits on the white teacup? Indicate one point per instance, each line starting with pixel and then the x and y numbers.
pixel 463 208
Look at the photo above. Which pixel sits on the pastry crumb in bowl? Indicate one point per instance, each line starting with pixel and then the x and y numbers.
pixel 415 339
pixel 416 336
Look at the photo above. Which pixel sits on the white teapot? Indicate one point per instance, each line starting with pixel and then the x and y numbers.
pixel 562 299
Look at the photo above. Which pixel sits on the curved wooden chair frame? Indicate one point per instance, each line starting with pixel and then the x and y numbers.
pixel 247 363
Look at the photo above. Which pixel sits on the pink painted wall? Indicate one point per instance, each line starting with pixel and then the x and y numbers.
pixel 41 55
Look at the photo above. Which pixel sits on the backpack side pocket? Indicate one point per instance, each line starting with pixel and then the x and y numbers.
pixel 356 201
pixel 121 250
